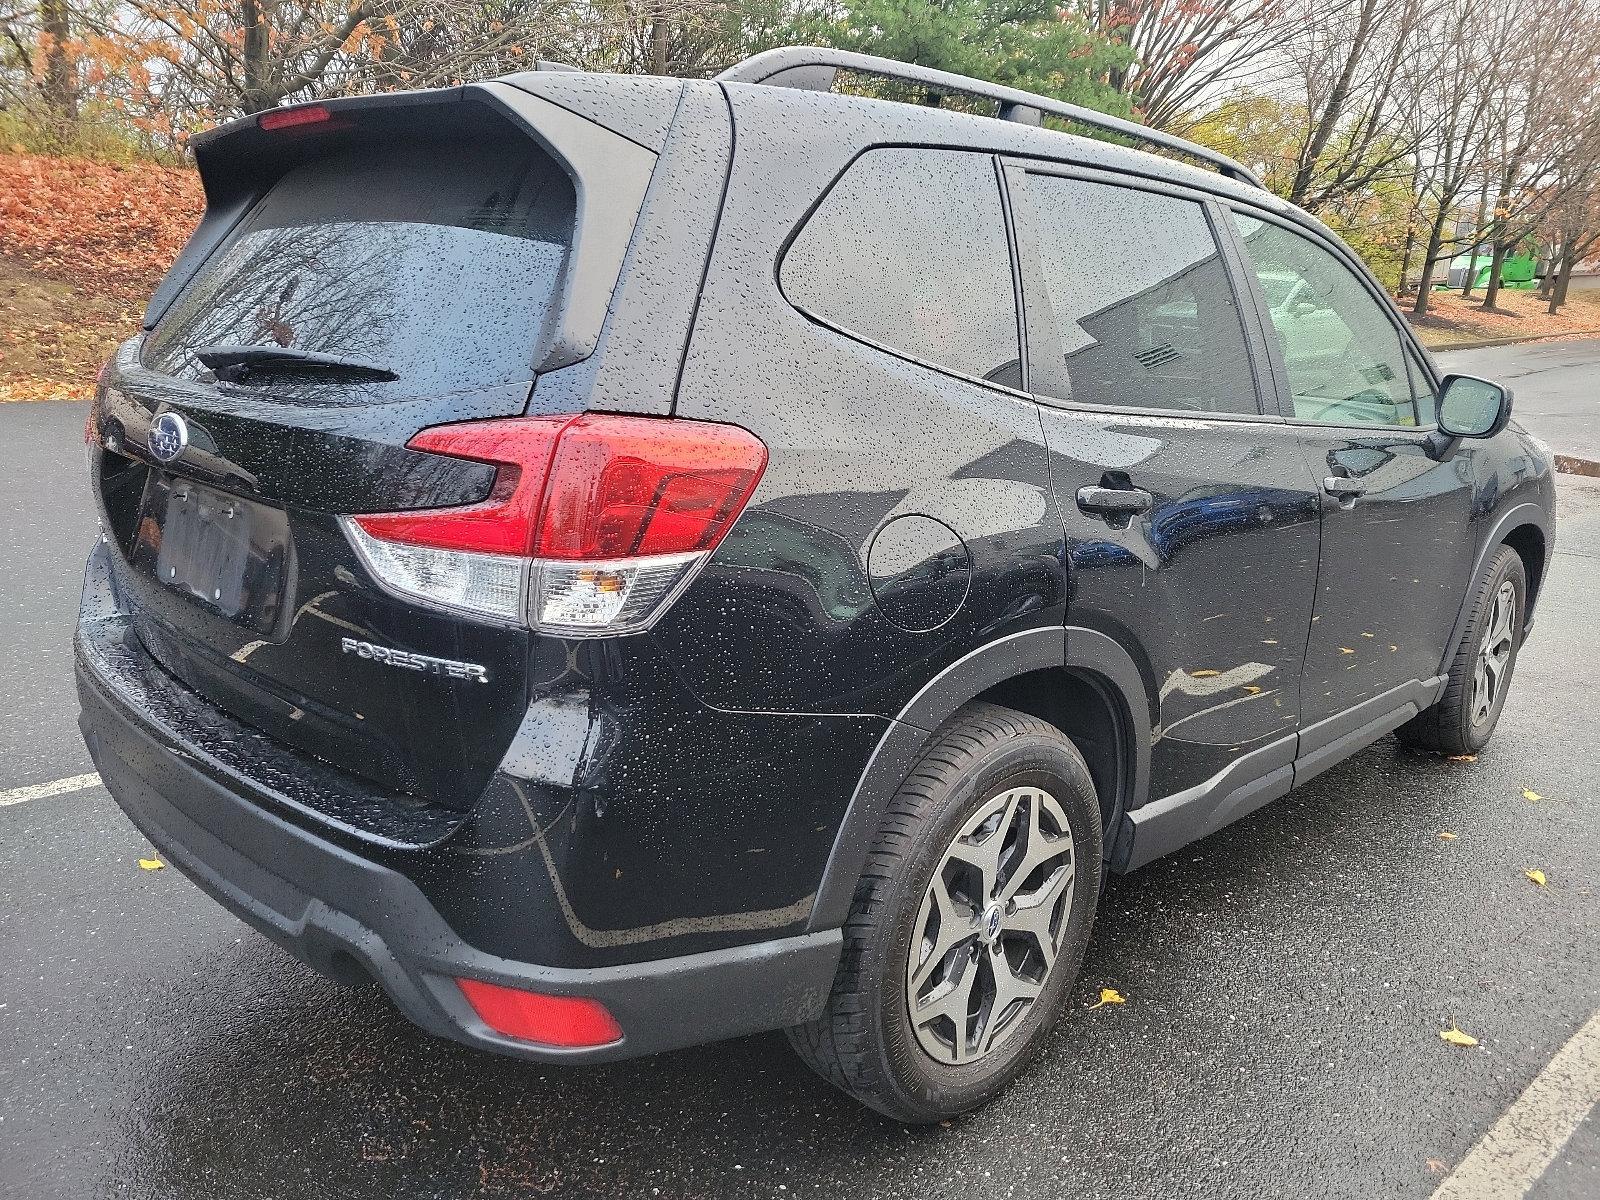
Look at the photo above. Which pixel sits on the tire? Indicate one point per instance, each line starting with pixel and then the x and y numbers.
pixel 990 773
pixel 1459 723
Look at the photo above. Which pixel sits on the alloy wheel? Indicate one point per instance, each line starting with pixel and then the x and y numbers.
pixel 1494 653
pixel 989 930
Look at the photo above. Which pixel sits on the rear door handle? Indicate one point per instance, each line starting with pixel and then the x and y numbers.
pixel 1344 489
pixel 1115 502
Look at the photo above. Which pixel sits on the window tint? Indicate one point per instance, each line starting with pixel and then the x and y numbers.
pixel 437 261
pixel 1344 358
pixel 1142 301
pixel 909 250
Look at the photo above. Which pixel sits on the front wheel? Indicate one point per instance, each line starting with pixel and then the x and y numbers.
pixel 1463 719
pixel 969 923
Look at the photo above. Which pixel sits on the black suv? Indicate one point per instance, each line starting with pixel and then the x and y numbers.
pixel 625 562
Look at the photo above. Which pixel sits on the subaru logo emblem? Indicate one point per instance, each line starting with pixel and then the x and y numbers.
pixel 169 434
pixel 994 922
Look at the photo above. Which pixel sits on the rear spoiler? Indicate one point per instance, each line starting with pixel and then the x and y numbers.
pixel 240 162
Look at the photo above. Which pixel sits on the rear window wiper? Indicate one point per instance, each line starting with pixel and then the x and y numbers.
pixel 235 363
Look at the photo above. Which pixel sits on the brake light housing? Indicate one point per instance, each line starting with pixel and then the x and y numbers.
pixel 594 525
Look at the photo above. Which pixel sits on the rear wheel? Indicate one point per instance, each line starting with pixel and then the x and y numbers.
pixel 1463 719
pixel 969 923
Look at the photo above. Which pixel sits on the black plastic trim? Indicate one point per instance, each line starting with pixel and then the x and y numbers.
pixel 338 911
pixel 1526 513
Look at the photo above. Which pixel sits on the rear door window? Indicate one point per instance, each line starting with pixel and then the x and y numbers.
pixel 908 250
pixel 438 262
pixel 1141 298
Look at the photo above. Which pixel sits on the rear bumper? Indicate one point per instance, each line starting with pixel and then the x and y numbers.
pixel 347 915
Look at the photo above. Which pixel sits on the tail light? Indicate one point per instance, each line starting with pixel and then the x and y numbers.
pixel 594 524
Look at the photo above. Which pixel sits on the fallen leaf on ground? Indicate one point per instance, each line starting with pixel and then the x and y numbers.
pixel 1346 650
pixel 1435 1165
pixel 1107 996
pixel 151 864
pixel 1456 1038
pixel 1462 758
pixel 1527 795
pixel 1206 673
pixel 1536 875
pixel 1446 836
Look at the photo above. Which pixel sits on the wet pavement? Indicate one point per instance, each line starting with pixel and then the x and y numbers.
pixel 1285 982
pixel 1556 385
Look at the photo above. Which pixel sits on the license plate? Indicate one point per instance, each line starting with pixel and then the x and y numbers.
pixel 223 552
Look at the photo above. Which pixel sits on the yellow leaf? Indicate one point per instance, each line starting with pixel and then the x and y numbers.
pixel 1205 674
pixel 151 864
pixel 1108 996
pixel 1456 1038
pixel 1251 689
pixel 1527 795
pixel 1346 650
pixel 1462 758
pixel 1446 836
pixel 1536 875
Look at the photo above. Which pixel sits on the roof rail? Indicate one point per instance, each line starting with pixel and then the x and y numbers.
pixel 812 68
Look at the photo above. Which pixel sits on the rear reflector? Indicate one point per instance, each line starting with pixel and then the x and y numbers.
pixel 593 525
pixel 288 118
pixel 534 1017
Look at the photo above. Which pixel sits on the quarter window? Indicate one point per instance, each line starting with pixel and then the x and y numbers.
pixel 908 250
pixel 1343 355
pixel 1142 302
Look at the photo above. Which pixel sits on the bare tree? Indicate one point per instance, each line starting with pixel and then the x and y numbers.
pixel 1545 119
pixel 1184 50
pixel 1354 63
pixel 1458 81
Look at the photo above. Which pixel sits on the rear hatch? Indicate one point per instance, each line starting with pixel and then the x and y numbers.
pixel 365 270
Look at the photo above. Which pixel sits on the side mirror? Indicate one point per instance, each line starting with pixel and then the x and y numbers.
pixel 1472 408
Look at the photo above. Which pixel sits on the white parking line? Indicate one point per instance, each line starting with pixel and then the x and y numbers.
pixel 38 791
pixel 1510 1158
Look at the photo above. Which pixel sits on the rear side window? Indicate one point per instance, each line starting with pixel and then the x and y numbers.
pixel 1142 302
pixel 908 250
pixel 437 261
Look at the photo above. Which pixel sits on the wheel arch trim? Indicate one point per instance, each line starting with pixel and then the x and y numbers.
pixel 1512 519
pixel 1085 650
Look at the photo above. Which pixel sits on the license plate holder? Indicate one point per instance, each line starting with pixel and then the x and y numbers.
pixel 225 553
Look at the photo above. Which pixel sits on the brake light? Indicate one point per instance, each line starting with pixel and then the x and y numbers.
pixel 536 1017
pixel 594 524
pixel 288 118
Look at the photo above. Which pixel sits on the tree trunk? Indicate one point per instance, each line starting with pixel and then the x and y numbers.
pixel 60 82
pixel 1333 111
pixel 1569 259
pixel 1405 255
pixel 1472 268
pixel 659 45
pixel 1491 291
pixel 255 53
pixel 1435 241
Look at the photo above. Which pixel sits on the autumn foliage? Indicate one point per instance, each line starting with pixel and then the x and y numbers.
pixel 81 246
pixel 111 230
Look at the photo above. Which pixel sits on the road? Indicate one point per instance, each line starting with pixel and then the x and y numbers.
pixel 1286 981
pixel 1556 386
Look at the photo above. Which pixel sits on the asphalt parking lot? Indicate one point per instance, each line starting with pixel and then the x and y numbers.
pixel 1285 982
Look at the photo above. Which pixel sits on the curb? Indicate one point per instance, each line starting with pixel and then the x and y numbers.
pixel 1447 347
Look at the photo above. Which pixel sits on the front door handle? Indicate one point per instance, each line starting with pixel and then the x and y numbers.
pixel 1342 488
pixel 1115 502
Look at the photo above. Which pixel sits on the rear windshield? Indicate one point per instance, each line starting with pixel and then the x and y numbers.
pixel 439 262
